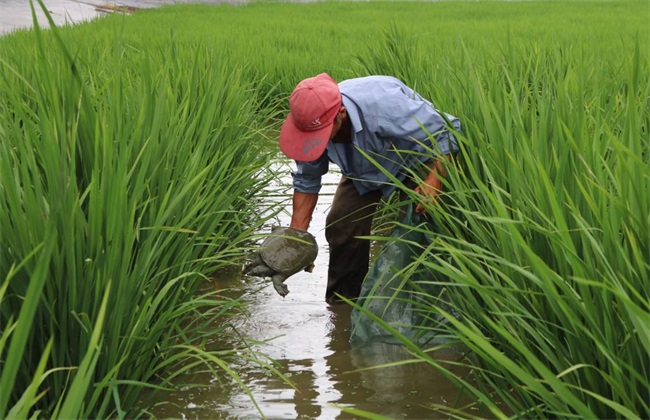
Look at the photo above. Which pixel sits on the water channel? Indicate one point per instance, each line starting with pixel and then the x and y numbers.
pixel 310 340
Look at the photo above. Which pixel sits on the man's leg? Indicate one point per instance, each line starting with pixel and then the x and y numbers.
pixel 350 216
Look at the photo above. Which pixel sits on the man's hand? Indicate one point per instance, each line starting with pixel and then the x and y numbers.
pixel 432 184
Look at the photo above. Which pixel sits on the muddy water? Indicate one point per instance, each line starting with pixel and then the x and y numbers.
pixel 310 341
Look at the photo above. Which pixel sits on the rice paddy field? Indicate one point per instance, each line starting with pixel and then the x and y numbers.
pixel 133 156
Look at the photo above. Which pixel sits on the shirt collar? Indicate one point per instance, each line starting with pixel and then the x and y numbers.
pixel 353 113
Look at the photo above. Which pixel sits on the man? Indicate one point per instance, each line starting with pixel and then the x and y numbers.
pixel 359 124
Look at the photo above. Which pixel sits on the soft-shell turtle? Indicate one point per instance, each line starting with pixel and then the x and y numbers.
pixel 282 254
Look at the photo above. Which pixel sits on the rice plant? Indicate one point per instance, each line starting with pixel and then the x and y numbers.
pixel 132 156
pixel 544 251
pixel 127 179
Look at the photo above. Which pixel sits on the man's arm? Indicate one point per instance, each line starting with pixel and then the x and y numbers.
pixel 432 184
pixel 303 208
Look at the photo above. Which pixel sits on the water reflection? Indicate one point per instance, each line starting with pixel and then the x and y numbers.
pixel 314 352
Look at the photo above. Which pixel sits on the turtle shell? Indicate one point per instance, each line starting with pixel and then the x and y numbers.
pixel 287 250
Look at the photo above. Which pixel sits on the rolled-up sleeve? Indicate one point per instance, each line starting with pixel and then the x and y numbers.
pixel 308 175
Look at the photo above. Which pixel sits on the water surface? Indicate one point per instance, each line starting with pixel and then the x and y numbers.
pixel 310 340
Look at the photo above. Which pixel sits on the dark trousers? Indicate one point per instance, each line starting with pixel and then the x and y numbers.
pixel 349 217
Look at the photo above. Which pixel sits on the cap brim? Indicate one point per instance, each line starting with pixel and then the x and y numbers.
pixel 304 146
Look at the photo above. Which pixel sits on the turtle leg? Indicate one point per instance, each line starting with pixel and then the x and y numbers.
pixel 278 284
pixel 256 267
pixel 253 262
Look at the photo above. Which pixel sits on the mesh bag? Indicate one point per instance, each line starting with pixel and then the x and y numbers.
pixel 398 289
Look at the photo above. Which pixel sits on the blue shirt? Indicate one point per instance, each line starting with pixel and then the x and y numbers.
pixel 387 119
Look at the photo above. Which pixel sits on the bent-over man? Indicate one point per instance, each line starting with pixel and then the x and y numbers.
pixel 352 124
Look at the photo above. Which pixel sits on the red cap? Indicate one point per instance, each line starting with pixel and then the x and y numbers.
pixel 313 106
